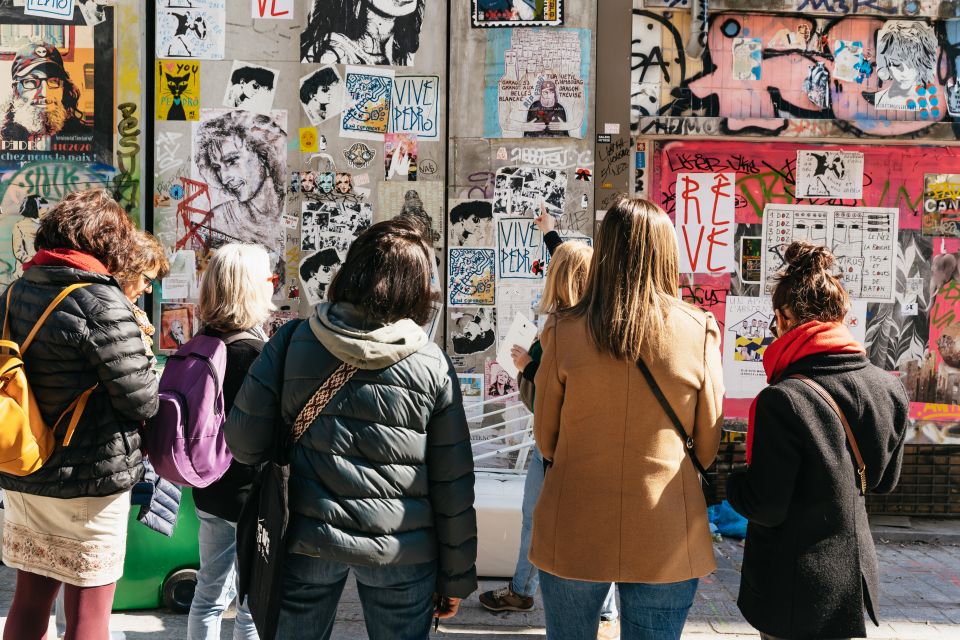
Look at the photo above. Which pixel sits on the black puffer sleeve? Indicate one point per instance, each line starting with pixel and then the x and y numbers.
pixel 450 470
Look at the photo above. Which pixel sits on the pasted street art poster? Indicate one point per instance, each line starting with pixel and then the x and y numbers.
pixel 191 29
pixel 472 330
pixel 177 325
pixel 57 89
pixel 400 157
pixel 941 204
pixel 863 239
pixel 830 174
pixel 178 90
pixel 368 93
pixel 321 95
pixel 470 223
pixel 422 200
pixel 472 276
pixel 536 83
pixel 746 338
pixel 251 87
pixel 705 222
pixel 906 66
pixel 517 13
pixel 372 33
pixel 415 106
pixel 521 252
pixel 521 191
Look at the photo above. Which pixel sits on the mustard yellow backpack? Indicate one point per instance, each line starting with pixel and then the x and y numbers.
pixel 26 443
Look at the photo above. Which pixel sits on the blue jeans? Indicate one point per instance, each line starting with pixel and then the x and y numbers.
pixel 526 577
pixel 648 611
pixel 397 600
pixel 217 583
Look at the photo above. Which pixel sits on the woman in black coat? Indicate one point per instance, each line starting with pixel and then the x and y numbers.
pixel 809 566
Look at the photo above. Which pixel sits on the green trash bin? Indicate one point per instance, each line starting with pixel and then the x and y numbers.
pixel 160 571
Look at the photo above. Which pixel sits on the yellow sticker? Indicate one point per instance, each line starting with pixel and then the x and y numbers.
pixel 308 140
pixel 178 90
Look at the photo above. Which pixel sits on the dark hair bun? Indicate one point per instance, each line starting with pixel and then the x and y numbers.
pixel 805 259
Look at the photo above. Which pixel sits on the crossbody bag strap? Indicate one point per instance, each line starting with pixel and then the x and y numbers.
pixel 6 315
pixel 46 314
pixel 320 398
pixel 823 393
pixel 662 399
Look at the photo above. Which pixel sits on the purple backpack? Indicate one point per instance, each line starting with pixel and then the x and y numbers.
pixel 185 438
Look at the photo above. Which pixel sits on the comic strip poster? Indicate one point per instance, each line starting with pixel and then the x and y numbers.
pixel 367 112
pixel 517 13
pixel 907 53
pixel 400 157
pixel 240 159
pixel 471 275
pixel 830 174
pixel 322 223
pixel 250 87
pixel 321 95
pixel 941 204
pixel 521 251
pixel 335 34
pixel 863 239
pixel 57 89
pixel 191 29
pixel 536 83
pixel 178 90
pixel 705 221
pixel 470 223
pixel 746 338
pixel 177 325
pixel 523 190
pixel 472 330
pixel 415 107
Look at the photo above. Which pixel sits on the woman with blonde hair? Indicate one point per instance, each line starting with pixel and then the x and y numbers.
pixel 235 294
pixel 621 498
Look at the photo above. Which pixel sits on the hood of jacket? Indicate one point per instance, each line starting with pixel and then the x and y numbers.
pixel 359 340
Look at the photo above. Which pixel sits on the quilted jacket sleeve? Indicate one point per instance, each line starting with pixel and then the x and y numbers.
pixel 115 348
pixel 450 470
pixel 251 427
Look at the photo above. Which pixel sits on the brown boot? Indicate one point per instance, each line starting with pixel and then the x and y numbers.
pixel 504 599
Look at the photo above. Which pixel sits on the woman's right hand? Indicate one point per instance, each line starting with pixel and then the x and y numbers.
pixel 545 222
pixel 521 357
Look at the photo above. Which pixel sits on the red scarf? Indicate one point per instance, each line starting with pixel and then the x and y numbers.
pixel 805 340
pixel 66 258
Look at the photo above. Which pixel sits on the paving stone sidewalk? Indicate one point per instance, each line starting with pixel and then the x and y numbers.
pixel 920 601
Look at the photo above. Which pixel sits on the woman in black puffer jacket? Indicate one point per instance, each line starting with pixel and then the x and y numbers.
pixel 382 481
pixel 67 522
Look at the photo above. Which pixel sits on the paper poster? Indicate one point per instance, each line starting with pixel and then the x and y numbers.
pixel 326 223
pixel 830 174
pixel 93 11
pixel 750 256
pixel 521 251
pixel 277 319
pixel 191 29
pixel 372 33
pixel 746 338
pixel 863 239
pixel 400 156
pixel 522 333
pixel 471 330
pixel 415 107
pixel 705 223
pixel 471 276
pixel 424 200
pixel 251 87
pixel 521 191
pixel 747 58
pixel 318 268
pixel 498 383
pixel 941 204
pixel 907 53
pixel 177 325
pixel 59 9
pixel 178 90
pixel 471 389
pixel 366 113
pixel 518 297
pixel 517 13
pixel 536 83
pixel 849 63
pixel 322 95
pixel 471 223
pixel 271 9
pixel 308 140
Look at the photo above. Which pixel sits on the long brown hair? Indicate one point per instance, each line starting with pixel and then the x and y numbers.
pixel 566 276
pixel 807 286
pixel 633 279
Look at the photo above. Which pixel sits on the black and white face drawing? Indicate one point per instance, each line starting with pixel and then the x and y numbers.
pixel 321 95
pixel 370 32
pixel 471 224
pixel 473 331
pixel 251 88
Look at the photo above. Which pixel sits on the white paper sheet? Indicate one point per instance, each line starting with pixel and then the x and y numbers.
pixel 522 332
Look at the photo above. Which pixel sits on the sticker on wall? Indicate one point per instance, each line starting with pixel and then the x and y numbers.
pixel 400 157
pixel 906 61
pixel 522 190
pixel 271 9
pixel 817 85
pixel 336 34
pixel 830 174
pixel 848 61
pixel 178 90
pixel 705 225
pixel 191 29
pixel 517 13
pixel 472 330
pixel 368 95
pixel 308 140
pixel 536 83
pixel 471 276
pixel 251 87
pixel 584 175
pixel 93 11
pixel 498 383
pixel 750 257
pixel 747 58
pixel 941 205
pixel 321 95
pixel 863 240
pixel 415 106
pixel 359 155
pixel 58 9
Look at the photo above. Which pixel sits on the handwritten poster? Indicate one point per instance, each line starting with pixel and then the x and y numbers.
pixel 863 239
pixel 415 106
pixel 368 93
pixel 271 9
pixel 830 174
pixel 941 205
pixel 706 207
pixel 521 252
pixel 59 9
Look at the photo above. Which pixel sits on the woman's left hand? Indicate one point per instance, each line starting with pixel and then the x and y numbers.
pixel 521 357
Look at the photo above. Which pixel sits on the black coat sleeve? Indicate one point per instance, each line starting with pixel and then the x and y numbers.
pixel 552 240
pixel 450 472
pixel 762 493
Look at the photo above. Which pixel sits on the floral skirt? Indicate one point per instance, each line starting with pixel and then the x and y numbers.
pixel 79 541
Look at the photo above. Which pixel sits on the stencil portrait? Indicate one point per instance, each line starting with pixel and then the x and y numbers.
pixel 370 32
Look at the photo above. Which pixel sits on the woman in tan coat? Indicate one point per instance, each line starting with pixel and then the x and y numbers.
pixel 621 499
